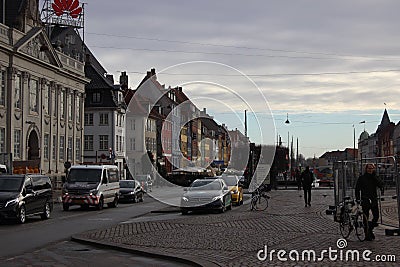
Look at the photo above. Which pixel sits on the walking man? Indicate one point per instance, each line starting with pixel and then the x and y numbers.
pixel 366 187
pixel 307 178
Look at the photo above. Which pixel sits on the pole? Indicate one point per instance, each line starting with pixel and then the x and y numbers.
pixel 245 122
pixel 354 142
pixel 297 152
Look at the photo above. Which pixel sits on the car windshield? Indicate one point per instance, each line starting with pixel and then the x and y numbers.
pixel 126 184
pixel 205 185
pixel 230 180
pixel 84 176
pixel 11 184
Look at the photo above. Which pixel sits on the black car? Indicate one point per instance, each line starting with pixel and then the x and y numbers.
pixel 130 190
pixel 25 195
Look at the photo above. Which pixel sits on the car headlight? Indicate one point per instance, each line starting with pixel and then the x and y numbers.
pixel 93 192
pixel 12 202
pixel 185 199
pixel 217 198
pixel 131 193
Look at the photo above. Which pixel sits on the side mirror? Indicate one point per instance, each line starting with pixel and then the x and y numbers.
pixel 225 188
pixel 185 189
pixel 104 181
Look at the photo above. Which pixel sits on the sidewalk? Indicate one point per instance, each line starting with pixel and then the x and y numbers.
pixel 235 237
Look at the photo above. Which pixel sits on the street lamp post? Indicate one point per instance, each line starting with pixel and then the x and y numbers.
pixel 288 140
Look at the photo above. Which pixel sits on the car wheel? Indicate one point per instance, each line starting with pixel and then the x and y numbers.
pixel 101 204
pixel 65 206
pixel 113 204
pixel 46 211
pixel 22 215
pixel 223 208
pixel 241 200
pixel 229 206
pixel 184 212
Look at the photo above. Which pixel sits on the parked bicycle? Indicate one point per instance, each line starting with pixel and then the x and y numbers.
pixel 352 218
pixel 259 198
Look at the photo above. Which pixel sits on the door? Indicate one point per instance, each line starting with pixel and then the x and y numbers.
pixel 29 196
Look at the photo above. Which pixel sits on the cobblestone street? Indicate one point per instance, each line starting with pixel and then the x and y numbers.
pixel 234 238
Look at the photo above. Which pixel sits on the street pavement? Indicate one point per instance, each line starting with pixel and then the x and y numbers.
pixel 287 231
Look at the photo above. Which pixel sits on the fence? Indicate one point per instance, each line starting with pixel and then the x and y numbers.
pixel 346 174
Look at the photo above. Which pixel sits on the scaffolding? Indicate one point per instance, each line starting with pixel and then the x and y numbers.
pixel 346 174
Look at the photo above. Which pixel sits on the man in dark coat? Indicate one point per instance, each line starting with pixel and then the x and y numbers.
pixel 307 178
pixel 366 187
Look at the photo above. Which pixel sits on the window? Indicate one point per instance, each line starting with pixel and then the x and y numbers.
pixel 88 143
pixel 54 149
pixel 46 146
pixel 17 91
pixel 17 144
pixel 46 104
pixel 62 104
pixel 69 103
pixel 103 119
pixel 3 88
pixel 132 143
pixel 61 148
pixel 78 149
pixel 96 98
pixel 103 142
pixel 117 140
pixel 69 149
pixel 33 96
pixel 88 119
pixel 2 139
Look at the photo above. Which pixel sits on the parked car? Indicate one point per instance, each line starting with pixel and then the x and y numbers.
pixel 130 190
pixel 3 168
pixel 206 194
pixel 145 181
pixel 26 195
pixel 91 185
pixel 232 181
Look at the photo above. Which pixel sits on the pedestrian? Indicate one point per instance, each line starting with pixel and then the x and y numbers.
pixel 307 178
pixel 366 187
pixel 298 178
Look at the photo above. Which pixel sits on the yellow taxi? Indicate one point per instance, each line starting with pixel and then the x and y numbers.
pixel 232 181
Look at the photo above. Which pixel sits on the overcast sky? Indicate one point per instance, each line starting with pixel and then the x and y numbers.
pixel 327 64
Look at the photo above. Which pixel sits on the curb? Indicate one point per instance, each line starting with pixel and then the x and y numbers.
pixel 124 248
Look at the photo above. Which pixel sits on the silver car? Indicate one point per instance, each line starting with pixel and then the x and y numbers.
pixel 206 194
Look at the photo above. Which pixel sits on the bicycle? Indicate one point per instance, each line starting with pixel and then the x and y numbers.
pixel 353 218
pixel 259 199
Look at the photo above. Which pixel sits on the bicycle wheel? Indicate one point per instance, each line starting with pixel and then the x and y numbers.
pixel 345 225
pixel 262 203
pixel 361 223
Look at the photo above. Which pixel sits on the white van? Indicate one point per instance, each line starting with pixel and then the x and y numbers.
pixel 3 168
pixel 91 185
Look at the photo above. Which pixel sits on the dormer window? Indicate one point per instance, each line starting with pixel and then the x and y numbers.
pixel 96 98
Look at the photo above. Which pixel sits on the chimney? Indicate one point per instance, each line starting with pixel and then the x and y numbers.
pixel 123 80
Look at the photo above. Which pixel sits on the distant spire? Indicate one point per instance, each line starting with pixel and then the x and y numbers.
pixel 385 119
